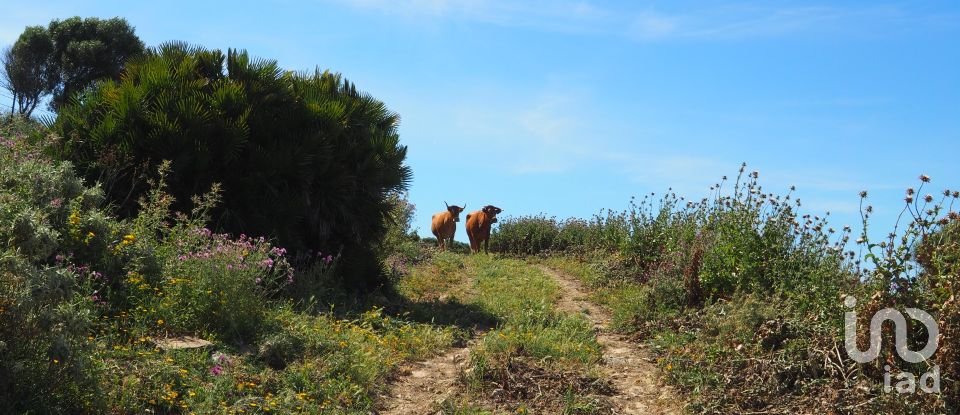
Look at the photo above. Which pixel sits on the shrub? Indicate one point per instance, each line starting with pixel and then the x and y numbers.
pixel 648 307
pixel 532 235
pixel 194 280
pixel 47 306
pixel 745 240
pixel 86 297
pixel 401 246
pixel 306 158
pixel 529 235
pixel 740 283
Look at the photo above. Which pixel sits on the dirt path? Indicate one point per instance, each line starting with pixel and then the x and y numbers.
pixel 423 385
pixel 625 363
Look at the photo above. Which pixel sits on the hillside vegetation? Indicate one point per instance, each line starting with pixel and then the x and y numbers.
pixel 86 297
pixel 260 215
pixel 742 297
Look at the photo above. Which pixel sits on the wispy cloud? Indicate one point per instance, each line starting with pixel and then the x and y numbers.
pixel 543 133
pixel 733 22
pixel 554 16
pixel 643 22
pixel 761 20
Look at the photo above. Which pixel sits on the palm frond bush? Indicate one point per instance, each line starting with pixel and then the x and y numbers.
pixel 304 157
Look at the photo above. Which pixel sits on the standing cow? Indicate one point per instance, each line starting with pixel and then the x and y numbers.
pixel 444 224
pixel 478 227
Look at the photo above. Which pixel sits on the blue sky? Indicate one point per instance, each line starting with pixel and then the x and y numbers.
pixel 567 107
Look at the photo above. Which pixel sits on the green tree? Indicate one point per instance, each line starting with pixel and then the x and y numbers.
pixel 87 50
pixel 28 70
pixel 303 157
pixel 66 57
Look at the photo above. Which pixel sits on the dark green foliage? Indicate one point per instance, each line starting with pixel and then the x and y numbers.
pixel 306 158
pixel 29 73
pixel 88 50
pixel 67 57
pixel 85 299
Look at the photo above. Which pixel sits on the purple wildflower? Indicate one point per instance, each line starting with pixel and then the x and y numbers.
pixel 216 370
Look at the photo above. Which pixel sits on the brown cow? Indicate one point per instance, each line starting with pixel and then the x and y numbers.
pixel 478 227
pixel 444 224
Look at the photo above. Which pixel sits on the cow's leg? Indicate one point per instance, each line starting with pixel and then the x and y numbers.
pixel 439 239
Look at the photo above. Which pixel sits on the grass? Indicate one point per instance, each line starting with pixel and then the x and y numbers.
pixel 523 297
pixel 515 294
pixel 444 276
pixel 513 304
pixel 307 364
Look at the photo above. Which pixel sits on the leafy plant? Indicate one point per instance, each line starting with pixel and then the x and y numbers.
pixel 303 157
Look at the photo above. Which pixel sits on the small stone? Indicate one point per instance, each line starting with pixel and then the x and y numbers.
pixel 183 342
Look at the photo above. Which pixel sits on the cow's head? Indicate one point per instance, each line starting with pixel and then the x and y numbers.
pixel 492 211
pixel 455 211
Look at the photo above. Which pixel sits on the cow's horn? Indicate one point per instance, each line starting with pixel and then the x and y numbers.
pixel 464 206
pixel 445 203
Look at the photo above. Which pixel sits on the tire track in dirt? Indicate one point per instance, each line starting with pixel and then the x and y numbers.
pixel 421 386
pixel 638 389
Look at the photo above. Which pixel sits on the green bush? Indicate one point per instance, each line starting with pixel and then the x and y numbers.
pixel 86 298
pixel 648 307
pixel 529 235
pixel 70 273
pixel 747 240
pixel 532 235
pixel 47 305
pixel 739 282
pixel 305 158
pixel 192 280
